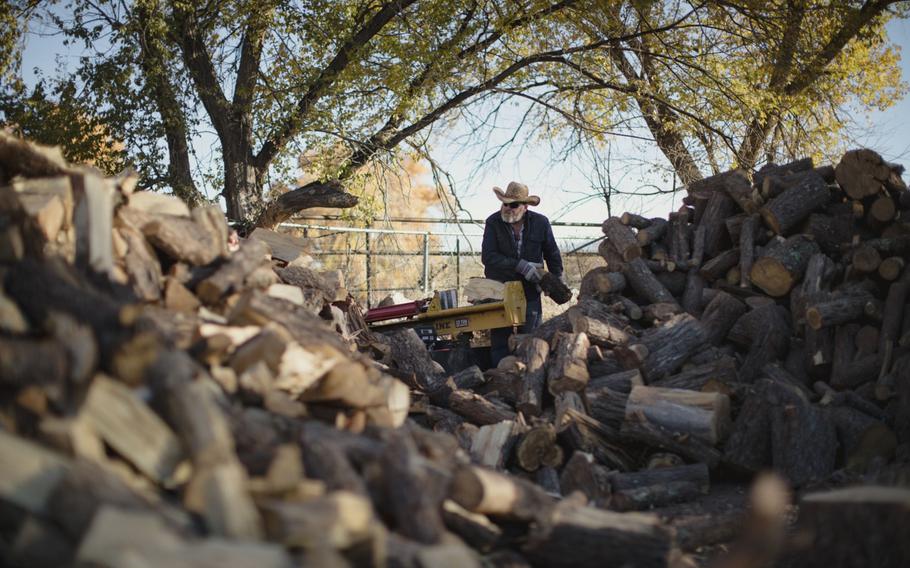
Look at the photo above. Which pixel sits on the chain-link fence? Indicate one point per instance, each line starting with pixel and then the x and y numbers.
pixel 413 263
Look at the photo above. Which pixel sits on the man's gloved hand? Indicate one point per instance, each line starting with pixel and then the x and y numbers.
pixel 528 270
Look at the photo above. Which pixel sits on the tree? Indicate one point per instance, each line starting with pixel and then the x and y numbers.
pixel 726 81
pixel 275 78
pixel 715 84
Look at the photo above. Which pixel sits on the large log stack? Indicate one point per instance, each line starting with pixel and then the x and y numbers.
pixel 171 396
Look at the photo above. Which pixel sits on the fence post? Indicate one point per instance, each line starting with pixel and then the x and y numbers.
pixel 369 269
pixel 426 263
pixel 457 267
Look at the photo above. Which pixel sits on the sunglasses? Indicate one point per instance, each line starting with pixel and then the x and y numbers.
pixel 512 205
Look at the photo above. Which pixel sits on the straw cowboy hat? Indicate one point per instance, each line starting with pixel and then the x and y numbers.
pixel 516 193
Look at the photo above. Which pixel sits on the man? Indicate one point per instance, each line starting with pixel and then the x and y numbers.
pixel 516 241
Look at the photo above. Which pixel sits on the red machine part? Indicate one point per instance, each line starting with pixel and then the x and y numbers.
pixel 408 309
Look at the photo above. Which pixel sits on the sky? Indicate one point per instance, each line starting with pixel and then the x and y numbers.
pixel 562 185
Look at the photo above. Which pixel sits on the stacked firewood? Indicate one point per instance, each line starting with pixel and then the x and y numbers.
pixel 760 327
pixel 786 296
pixel 170 394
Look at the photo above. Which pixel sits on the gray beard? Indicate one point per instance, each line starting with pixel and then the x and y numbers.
pixel 511 216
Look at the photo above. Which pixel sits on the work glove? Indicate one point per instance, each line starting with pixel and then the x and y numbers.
pixel 528 270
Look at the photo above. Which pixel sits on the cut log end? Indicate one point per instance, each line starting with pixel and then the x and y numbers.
pixel 772 277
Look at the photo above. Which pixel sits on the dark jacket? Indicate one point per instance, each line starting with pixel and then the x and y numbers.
pixel 498 252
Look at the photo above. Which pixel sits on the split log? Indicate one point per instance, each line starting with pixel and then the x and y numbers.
pixel 413 497
pixel 135 432
pixel 748 448
pixel 585 536
pixel 622 238
pixel 231 275
pixel 782 266
pixel 891 267
pixel 600 282
pixel 718 266
pixel 713 519
pixel 25 361
pixel 579 431
pixel 823 539
pixel 819 273
pixel 769 333
pixel 180 238
pixel 537 447
pixel 866 340
pixel 747 250
pixel 658 487
pixel 31 473
pixel 615 261
pixel 622 381
pixel 533 352
pixel 582 473
pixel 796 203
pixel 555 289
pixel 779 170
pixel 863 172
pixel 39 544
pixel 803 442
pixel 720 206
pixel 635 221
pixel 894 316
pixel 865 259
pixel 568 370
pixel 670 345
pixel 831 231
pixel 477 530
pixel 707 376
pixel 855 373
pixel 774 185
pixel 284 247
pixel 547 478
pixel 692 295
pixel 603 332
pixel 837 309
pixel 607 405
pixel 652 232
pixel 698 247
pixel 705 416
pixel 679 236
pixel 338 520
pixel 491 445
pixel 719 316
pixel 674 281
pixel 863 439
pixel 487 492
pixel 831 397
pixel 411 357
pixel 645 284
pixel 477 409
pixel 882 211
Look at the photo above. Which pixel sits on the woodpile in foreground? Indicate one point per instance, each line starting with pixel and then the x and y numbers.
pixel 170 397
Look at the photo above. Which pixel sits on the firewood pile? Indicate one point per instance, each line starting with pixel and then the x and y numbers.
pixel 172 395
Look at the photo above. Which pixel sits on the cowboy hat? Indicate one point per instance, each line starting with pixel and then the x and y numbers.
pixel 516 193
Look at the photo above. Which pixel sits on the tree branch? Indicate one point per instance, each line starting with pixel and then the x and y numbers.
pixel 314 194
pixel 153 62
pixel 202 70
pixel 326 78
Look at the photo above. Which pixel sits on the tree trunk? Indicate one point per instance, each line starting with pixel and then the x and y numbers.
pixel 690 414
pixel 242 181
